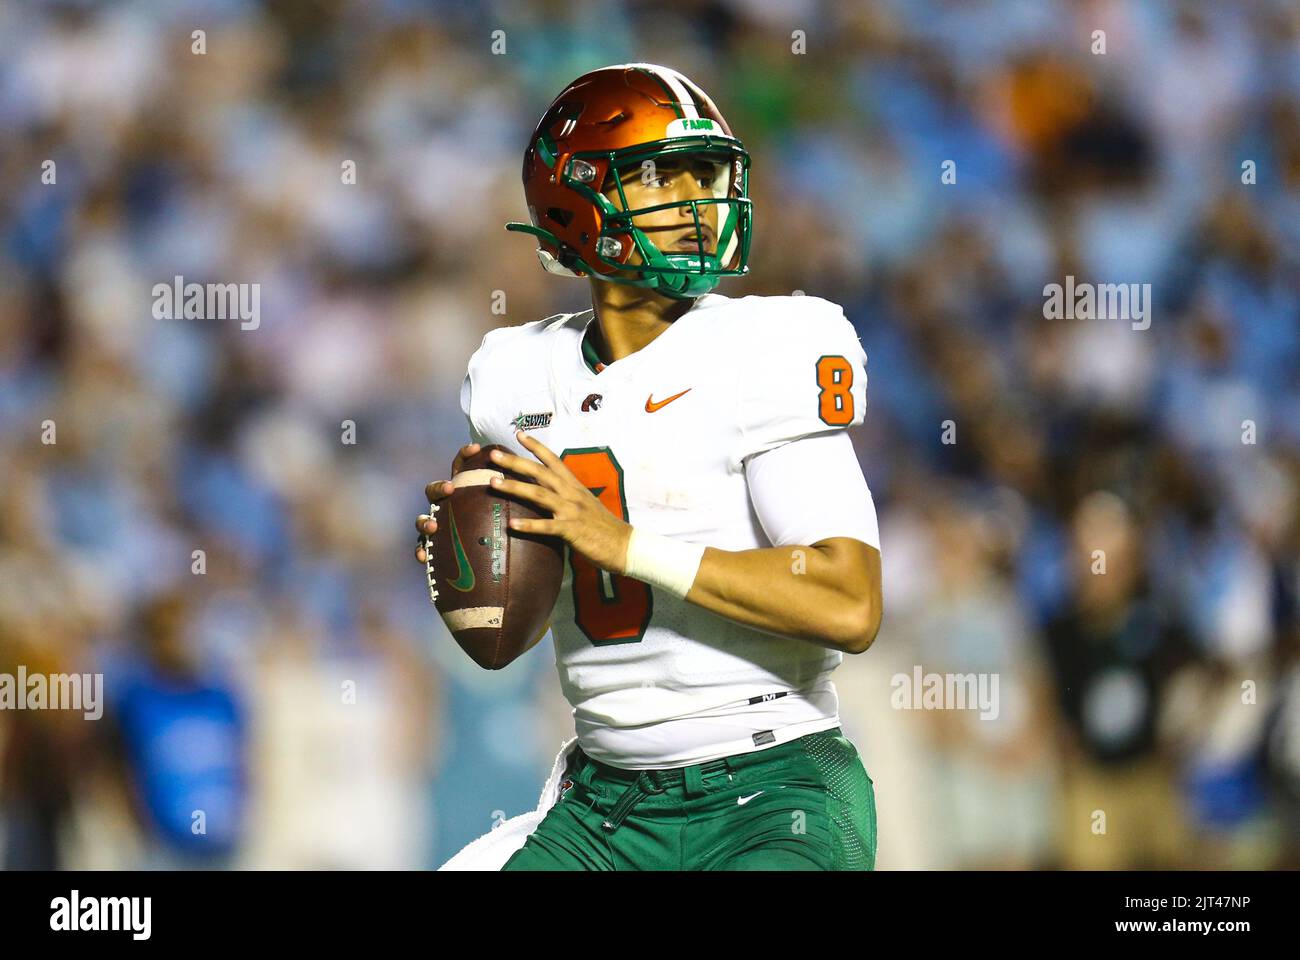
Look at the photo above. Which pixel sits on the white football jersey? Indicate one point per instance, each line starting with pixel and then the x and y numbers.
pixel 661 437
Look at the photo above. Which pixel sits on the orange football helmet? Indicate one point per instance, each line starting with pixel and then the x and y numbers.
pixel 626 117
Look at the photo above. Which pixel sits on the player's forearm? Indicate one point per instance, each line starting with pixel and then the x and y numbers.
pixel 809 593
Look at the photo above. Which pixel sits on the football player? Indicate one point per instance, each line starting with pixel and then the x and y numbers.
pixel 691 449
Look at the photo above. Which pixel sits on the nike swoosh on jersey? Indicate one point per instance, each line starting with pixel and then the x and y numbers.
pixel 464 572
pixel 652 405
pixel 741 801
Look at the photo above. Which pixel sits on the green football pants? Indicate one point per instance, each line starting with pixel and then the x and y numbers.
pixel 803 805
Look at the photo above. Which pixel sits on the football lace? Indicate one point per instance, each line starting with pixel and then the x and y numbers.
pixel 426 542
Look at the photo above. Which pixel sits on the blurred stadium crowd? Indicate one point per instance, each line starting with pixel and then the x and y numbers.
pixel 291 680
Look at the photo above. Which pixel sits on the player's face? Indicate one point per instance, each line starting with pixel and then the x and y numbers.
pixel 675 180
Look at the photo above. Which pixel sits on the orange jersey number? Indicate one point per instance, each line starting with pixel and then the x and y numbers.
pixel 835 400
pixel 608 608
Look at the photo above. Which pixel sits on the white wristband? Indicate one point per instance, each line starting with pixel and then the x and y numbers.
pixel 663 562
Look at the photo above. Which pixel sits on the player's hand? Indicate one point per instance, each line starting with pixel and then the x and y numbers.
pixel 577 517
pixel 439 490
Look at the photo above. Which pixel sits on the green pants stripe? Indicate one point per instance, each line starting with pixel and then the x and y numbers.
pixel 804 805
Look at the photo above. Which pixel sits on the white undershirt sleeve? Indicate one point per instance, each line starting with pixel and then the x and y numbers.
pixel 812 489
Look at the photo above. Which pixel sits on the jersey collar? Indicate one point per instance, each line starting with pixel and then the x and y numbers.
pixel 591 359
pixel 594 363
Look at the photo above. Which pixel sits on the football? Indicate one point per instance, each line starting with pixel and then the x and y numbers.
pixel 494 587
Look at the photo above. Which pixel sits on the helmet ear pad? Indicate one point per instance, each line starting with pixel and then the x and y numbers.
pixel 569 217
pixel 576 221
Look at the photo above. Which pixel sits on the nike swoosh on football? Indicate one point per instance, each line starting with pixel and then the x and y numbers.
pixel 741 801
pixel 652 405
pixel 464 581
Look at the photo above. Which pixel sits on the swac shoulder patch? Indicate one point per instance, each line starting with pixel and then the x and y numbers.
pixel 532 421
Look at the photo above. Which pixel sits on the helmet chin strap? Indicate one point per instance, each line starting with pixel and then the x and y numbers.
pixel 687 284
pixel 678 286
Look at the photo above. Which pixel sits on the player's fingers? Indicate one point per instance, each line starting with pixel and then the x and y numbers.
pixel 558 476
pixel 462 455
pixel 438 490
pixel 531 492
pixel 426 524
pixel 553 474
pixel 538 449
pixel 420 555
pixel 543 527
pixel 524 467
